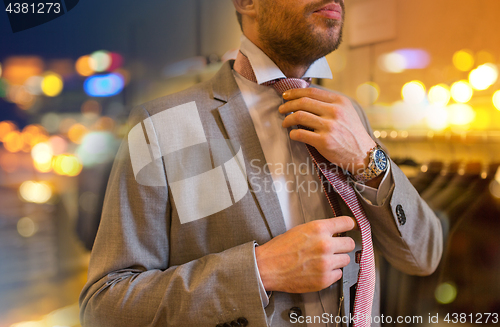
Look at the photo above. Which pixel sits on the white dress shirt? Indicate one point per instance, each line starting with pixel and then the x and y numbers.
pixel 294 177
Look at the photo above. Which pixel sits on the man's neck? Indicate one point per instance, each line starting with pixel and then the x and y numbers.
pixel 289 70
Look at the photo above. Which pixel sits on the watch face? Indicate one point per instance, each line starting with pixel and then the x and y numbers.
pixel 381 160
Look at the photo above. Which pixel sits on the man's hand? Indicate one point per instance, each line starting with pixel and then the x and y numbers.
pixel 307 258
pixel 338 132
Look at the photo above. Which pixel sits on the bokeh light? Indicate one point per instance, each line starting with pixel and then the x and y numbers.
pixel 96 148
pixel 461 114
pixel 13 142
pixel 104 124
pixel 392 62
pixel 101 61
pixel 116 61
pixel 437 118
pixel 91 107
pixel 76 133
pixel 495 98
pixel 413 92
pixel 58 144
pixel 463 60
pixel 483 76
pixel 461 91
pixel 34 85
pixel 17 70
pixel 484 56
pixel 71 166
pixel 19 95
pixel 63 67
pixel 405 115
pixel 52 84
pixel 367 93
pixel 34 134
pixel 482 121
pixel 36 192
pixel 446 293
pixel 84 65
pixel 104 85
pixel 440 95
pixel 42 155
pixel 67 165
pixel 66 124
pixel 5 128
pixel 4 88
pixel 125 74
pixel 42 167
pixel 414 58
pixel 26 227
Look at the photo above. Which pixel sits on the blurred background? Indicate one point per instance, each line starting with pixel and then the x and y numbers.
pixel 425 71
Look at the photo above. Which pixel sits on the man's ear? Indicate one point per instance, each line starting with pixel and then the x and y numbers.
pixel 245 7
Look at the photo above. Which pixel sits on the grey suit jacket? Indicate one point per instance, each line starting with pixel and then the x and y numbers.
pixel 148 269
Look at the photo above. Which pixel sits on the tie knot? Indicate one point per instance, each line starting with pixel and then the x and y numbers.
pixel 284 84
pixel 243 66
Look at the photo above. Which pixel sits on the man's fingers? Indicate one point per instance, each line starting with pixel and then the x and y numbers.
pixel 303 118
pixel 334 276
pixel 342 245
pixel 305 136
pixel 339 261
pixel 313 93
pixel 339 225
pixel 306 104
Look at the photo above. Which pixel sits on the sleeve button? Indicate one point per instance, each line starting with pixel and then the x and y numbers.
pixel 400 213
pixel 295 312
pixel 243 321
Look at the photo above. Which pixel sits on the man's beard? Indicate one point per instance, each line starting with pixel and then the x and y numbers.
pixel 295 42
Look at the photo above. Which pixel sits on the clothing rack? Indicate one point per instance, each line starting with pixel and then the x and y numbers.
pixel 423 146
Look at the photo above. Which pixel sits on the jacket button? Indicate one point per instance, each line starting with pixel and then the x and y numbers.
pixel 226 325
pixel 243 321
pixel 234 323
pixel 295 312
pixel 401 214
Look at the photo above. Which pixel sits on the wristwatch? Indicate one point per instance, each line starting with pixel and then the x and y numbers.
pixel 379 162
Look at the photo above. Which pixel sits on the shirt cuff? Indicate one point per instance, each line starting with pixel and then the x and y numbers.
pixel 377 196
pixel 264 296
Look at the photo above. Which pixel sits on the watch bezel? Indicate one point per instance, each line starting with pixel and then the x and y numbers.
pixel 376 161
pixel 373 170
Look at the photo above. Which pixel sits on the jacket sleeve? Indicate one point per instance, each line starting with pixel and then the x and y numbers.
pixel 404 228
pixel 130 281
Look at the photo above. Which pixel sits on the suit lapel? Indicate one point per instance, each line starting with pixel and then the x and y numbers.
pixel 239 127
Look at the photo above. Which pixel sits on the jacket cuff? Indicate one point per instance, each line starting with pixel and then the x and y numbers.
pixel 377 196
pixel 264 295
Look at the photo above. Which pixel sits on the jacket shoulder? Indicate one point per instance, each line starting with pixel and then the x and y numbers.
pixel 200 93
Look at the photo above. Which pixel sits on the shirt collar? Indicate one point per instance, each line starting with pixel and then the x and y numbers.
pixel 266 70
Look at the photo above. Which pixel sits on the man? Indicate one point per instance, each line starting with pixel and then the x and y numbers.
pixel 275 256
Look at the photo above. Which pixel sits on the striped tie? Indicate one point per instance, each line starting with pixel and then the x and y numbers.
pixel 332 175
